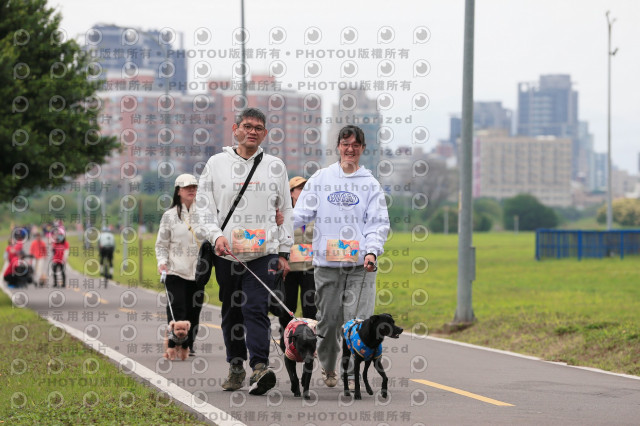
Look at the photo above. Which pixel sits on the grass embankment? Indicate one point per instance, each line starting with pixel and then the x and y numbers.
pixel 579 312
pixel 49 377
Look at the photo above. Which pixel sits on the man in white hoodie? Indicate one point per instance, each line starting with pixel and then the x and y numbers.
pixel 253 236
pixel 351 227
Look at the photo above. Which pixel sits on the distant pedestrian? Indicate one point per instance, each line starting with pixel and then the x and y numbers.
pixel 14 269
pixel 38 250
pixel 60 249
pixel 106 248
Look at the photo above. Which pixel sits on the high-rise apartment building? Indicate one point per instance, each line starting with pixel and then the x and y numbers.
pixel 167 134
pixel 505 166
pixel 486 115
pixel 129 51
pixel 173 133
pixel 550 108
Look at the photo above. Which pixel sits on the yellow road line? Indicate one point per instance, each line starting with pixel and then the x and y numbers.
pixel 463 393
pixel 104 302
pixel 206 324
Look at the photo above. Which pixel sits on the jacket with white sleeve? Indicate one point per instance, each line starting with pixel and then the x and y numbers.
pixel 251 231
pixel 176 244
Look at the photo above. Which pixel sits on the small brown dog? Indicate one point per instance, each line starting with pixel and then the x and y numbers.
pixel 176 341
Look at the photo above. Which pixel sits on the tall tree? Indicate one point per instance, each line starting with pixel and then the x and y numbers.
pixel 49 130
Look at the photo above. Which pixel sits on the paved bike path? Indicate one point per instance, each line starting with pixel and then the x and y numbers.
pixel 431 380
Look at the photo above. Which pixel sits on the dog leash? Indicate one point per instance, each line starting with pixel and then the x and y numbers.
pixel 265 286
pixel 163 279
pixel 364 277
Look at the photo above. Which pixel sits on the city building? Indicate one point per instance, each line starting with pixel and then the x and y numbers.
pixel 173 133
pixel 505 166
pixel 550 108
pixel 486 115
pixel 598 172
pixel 130 51
pixel 167 134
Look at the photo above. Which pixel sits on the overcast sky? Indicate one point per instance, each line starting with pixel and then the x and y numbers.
pixel 515 41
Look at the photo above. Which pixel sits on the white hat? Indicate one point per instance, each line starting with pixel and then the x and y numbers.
pixel 186 180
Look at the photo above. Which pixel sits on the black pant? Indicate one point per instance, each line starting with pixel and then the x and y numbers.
pixel 304 281
pixel 108 253
pixel 186 302
pixel 245 308
pixel 54 268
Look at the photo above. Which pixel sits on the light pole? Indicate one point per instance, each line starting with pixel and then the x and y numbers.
pixel 244 58
pixel 464 315
pixel 609 174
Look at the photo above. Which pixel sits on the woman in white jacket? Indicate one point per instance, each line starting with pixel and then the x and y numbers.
pixel 177 255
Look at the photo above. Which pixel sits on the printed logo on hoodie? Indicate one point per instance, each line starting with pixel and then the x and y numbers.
pixel 343 198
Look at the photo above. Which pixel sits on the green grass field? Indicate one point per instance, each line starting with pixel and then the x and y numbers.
pixel 50 378
pixel 580 312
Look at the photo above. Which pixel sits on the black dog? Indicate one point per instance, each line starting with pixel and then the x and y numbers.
pixel 364 339
pixel 300 346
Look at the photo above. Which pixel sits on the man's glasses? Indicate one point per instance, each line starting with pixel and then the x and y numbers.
pixel 354 145
pixel 249 128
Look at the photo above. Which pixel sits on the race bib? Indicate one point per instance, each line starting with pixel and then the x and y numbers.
pixel 301 253
pixel 342 250
pixel 249 241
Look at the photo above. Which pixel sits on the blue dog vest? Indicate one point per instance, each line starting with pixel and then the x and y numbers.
pixel 354 343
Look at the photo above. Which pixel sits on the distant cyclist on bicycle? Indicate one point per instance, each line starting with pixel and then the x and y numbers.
pixel 106 247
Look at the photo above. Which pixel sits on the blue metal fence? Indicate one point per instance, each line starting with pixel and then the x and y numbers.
pixel 553 243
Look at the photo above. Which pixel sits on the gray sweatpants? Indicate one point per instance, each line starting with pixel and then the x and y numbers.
pixel 341 294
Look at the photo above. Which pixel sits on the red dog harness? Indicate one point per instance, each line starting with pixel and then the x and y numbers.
pixel 290 351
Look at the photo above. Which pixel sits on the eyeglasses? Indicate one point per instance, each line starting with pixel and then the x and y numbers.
pixel 354 145
pixel 249 128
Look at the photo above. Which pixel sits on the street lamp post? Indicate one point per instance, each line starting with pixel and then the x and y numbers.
pixel 609 174
pixel 466 252
pixel 244 58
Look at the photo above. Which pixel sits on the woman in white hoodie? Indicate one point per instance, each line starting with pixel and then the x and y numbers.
pixel 351 227
pixel 177 255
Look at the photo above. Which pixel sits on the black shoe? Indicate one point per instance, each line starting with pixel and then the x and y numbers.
pixel 261 380
pixel 192 352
